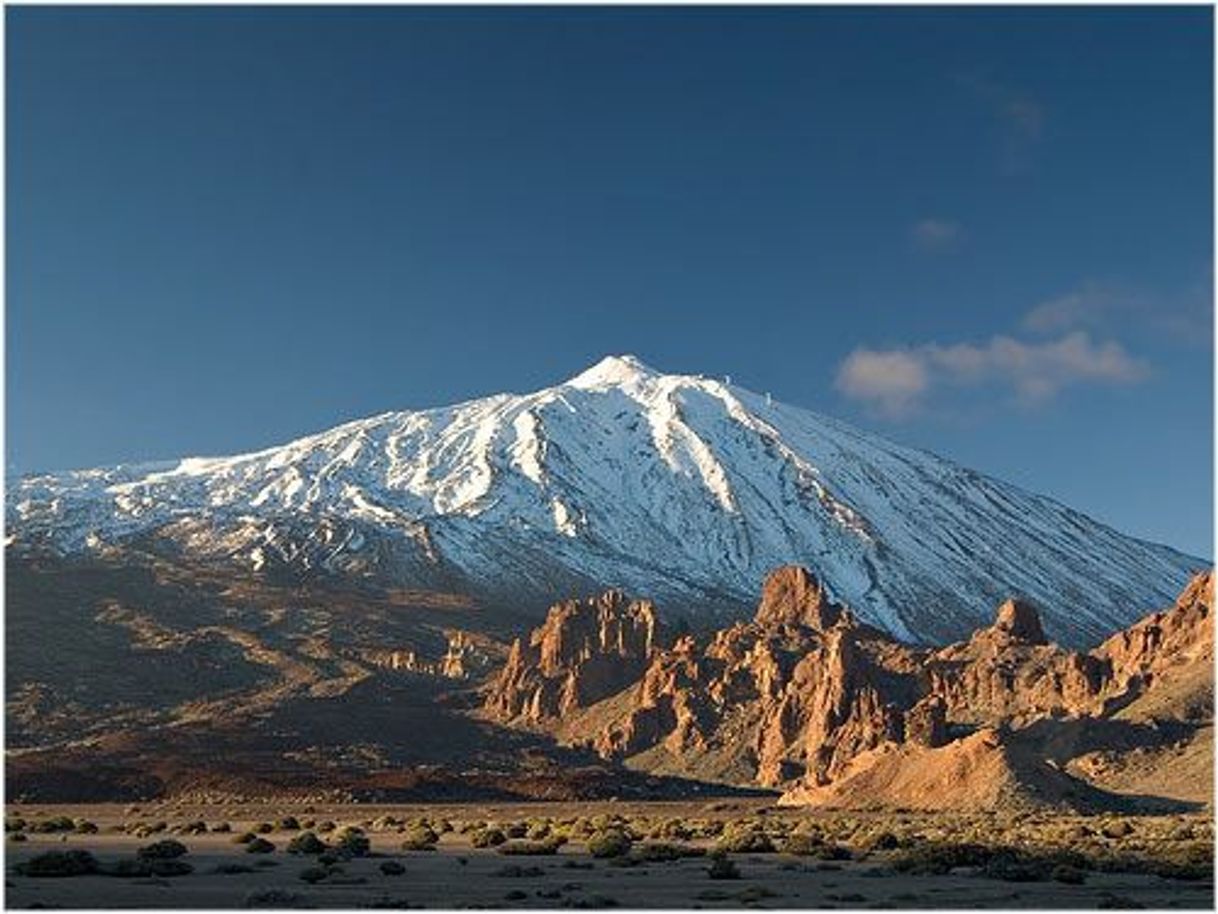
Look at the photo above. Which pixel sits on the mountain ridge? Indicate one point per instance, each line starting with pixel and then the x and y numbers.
pixel 677 487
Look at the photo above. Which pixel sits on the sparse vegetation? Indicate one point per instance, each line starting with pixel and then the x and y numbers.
pixel 168 849
pixel 525 848
pixel 313 874
pixel 259 846
pixel 420 837
pixel 611 842
pixel 59 864
pixel 488 837
pixel 307 843
pixel 352 842
pixel 722 868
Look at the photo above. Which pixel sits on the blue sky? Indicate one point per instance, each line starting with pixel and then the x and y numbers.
pixel 987 233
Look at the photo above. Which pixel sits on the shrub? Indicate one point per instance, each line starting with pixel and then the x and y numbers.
pixel 609 843
pixel 221 828
pixel 722 868
pixel 524 848
pixel 85 827
pixel 884 841
pixel 264 828
pixel 232 869
pixel 259 846
pixel 352 842
pixel 54 824
pixel 802 844
pixel 288 823
pixel 1118 829
pixel 244 838
pixel 19 824
pixel 392 868
pixel 490 837
pixel 938 859
pixel 59 864
pixel 162 850
pixel 746 841
pixel 326 826
pixel 656 852
pixel 306 843
pixel 1070 875
pixel 313 875
pixel 420 838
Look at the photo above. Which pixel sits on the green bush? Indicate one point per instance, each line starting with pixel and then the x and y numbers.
pixel 162 850
pixel 288 823
pixel 722 868
pixel 609 843
pixel 306 843
pixel 490 837
pixel 232 869
pixel 802 844
pixel 54 824
pixel 392 868
pixel 420 838
pixel 1070 875
pixel 745 841
pixel 155 867
pixel 352 842
pixel 658 852
pixel 526 848
pixel 259 846
pixel 58 864
pixel 938 859
pixel 244 838
pixel 313 875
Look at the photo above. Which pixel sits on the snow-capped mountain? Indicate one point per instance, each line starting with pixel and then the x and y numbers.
pixel 678 487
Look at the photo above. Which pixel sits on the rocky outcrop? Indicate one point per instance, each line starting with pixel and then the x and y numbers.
pixel 797 697
pixel 585 651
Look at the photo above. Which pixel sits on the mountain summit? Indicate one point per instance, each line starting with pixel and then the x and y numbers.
pixel 682 488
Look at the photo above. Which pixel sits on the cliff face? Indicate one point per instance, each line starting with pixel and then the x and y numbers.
pixel 585 651
pixel 804 691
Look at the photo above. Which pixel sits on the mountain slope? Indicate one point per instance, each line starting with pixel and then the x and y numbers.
pixel 680 488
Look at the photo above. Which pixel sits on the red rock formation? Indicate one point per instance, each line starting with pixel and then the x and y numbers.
pixel 585 651
pixel 804 690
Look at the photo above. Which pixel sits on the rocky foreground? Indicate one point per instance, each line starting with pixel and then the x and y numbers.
pixel 807 699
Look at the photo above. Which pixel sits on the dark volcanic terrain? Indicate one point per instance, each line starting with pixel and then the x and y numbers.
pixel 137 679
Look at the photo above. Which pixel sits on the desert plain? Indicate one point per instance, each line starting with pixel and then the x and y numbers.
pixel 715 854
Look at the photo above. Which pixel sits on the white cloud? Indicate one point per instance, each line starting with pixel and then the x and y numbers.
pixel 891 381
pixel 936 234
pixel 896 382
pixel 1182 314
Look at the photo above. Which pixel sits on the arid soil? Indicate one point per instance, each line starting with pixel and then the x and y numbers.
pixel 657 855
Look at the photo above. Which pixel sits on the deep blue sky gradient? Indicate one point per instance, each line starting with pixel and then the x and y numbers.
pixel 229 227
